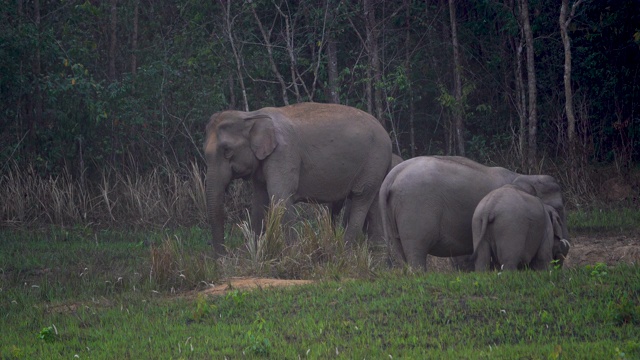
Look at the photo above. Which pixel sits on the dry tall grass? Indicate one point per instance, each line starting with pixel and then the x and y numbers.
pixel 312 249
pixel 162 196
pixel 173 268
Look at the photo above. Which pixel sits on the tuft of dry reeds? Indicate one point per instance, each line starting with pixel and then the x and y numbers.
pixel 313 249
pixel 173 268
pixel 163 196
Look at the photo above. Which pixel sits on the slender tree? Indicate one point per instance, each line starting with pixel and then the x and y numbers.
pixel 113 39
pixel 565 21
pixel 407 67
pixel 228 30
pixel 36 113
pixel 374 71
pixel 532 144
pixel 134 38
pixel 332 55
pixel 458 111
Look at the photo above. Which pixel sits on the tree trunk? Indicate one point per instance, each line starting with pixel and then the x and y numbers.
pixel 407 67
pixel 458 108
pixel 37 69
pixel 292 57
pixel 565 21
pixel 374 73
pixel 232 93
pixel 532 146
pixel 113 41
pixel 33 104
pixel 134 39
pixel 228 29
pixel 521 105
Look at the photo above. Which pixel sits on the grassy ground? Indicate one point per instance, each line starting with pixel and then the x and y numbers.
pixel 120 294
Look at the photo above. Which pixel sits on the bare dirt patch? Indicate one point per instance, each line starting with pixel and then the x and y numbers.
pixel 250 283
pixel 609 249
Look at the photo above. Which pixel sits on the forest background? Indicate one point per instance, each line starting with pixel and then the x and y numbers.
pixel 108 95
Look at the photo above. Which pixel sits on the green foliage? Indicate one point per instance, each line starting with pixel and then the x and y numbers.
pixel 626 310
pixel 259 344
pixel 63 109
pixel 602 219
pixel 598 270
pixel 48 334
pixel 203 309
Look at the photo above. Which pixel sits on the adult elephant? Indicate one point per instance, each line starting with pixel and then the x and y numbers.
pixel 427 204
pixel 304 152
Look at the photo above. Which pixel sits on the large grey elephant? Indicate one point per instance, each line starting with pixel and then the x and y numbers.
pixel 427 204
pixel 513 228
pixel 304 152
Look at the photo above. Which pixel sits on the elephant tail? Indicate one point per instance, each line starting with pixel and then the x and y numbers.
pixel 387 212
pixel 481 248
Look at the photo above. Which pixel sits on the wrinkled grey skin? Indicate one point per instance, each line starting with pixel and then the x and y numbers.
pixel 305 152
pixel 427 204
pixel 513 229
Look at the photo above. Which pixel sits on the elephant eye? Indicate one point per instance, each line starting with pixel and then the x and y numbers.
pixel 228 153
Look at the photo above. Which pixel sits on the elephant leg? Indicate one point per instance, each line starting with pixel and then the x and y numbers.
pixel 281 192
pixel 463 263
pixel 542 259
pixel 510 244
pixel 482 256
pixel 415 238
pixel 259 206
pixel 540 263
pixel 510 265
pixel 508 255
pixel 373 224
pixel 336 208
pixel 360 205
pixel 416 261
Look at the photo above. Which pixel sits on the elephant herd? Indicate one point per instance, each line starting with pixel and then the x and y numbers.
pixel 446 206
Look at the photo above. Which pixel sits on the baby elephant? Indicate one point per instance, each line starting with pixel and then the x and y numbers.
pixel 512 228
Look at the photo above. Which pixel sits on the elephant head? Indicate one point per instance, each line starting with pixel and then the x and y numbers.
pixel 234 145
pixel 548 190
pixel 560 244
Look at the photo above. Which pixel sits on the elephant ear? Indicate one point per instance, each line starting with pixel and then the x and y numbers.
pixel 524 184
pixel 262 136
pixel 560 245
pixel 555 221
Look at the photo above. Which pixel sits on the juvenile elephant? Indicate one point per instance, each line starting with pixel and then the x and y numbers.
pixel 304 152
pixel 427 204
pixel 512 228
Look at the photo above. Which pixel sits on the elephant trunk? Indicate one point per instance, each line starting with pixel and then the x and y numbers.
pixel 216 184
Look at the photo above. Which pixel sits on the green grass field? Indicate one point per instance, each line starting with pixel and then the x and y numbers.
pixel 118 294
